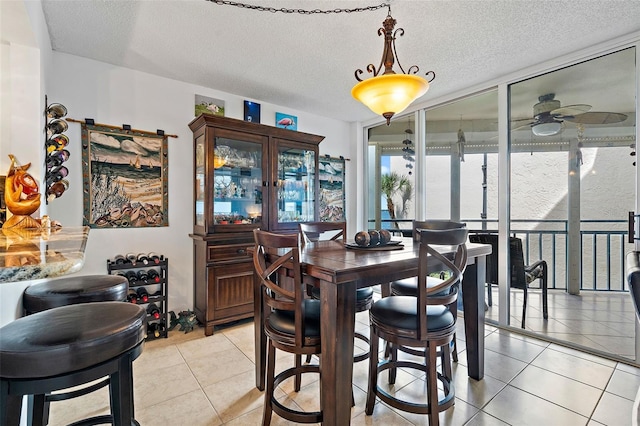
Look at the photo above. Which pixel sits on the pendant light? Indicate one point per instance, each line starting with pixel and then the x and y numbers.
pixel 390 93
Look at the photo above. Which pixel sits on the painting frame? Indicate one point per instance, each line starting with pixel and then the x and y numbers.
pixel 331 198
pixel 286 121
pixel 207 105
pixel 124 178
pixel 252 112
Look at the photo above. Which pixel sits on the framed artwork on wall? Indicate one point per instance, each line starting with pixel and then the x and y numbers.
pixel 251 112
pixel 286 121
pixel 205 105
pixel 124 178
pixel 332 189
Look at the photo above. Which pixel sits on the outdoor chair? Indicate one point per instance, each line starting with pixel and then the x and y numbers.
pixel 521 274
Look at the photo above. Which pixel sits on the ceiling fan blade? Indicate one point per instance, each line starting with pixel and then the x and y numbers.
pixel 523 126
pixel 571 110
pixel 520 121
pixel 597 117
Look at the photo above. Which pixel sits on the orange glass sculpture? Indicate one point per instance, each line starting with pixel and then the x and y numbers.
pixel 21 196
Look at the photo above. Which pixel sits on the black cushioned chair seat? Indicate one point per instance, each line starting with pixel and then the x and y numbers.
pixel 283 321
pixel 400 312
pixel 361 293
pixel 70 291
pixel 408 286
pixel 69 338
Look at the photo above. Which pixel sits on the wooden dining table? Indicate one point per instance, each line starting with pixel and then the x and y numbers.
pixel 338 271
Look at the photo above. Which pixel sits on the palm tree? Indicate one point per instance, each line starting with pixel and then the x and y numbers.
pixel 392 184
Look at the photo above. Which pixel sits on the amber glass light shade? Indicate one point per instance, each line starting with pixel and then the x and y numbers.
pixel 390 94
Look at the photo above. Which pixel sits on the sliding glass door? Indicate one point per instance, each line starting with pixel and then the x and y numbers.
pixel 573 182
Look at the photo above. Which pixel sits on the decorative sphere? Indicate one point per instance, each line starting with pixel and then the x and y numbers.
pixel 385 236
pixel 374 236
pixel 362 238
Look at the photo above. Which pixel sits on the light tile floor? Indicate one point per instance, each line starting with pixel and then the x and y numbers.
pixel 190 379
pixel 604 321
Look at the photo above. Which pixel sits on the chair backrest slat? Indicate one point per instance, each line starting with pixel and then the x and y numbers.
pixel 439 233
pixel 312 231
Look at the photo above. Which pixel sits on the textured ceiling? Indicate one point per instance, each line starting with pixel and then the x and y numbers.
pixel 307 62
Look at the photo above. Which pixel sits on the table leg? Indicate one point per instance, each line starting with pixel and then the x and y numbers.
pixel 259 335
pixel 336 368
pixel 473 302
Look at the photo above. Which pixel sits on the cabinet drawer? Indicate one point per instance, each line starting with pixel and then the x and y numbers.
pixel 231 252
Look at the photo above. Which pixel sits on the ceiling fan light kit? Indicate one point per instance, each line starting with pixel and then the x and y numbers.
pixel 390 93
pixel 547 129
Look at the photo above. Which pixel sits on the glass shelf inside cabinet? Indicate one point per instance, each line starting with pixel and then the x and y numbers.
pixel 295 186
pixel 237 182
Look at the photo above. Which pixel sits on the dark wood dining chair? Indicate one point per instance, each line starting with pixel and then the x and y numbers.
pixel 313 231
pixel 422 321
pixel 521 274
pixel 291 321
pixel 409 286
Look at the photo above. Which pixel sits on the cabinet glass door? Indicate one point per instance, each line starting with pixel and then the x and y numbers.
pixel 200 177
pixel 237 182
pixel 295 185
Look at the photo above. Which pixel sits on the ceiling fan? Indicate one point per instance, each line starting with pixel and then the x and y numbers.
pixel 549 115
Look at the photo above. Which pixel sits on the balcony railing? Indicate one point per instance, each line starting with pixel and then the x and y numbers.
pixel 603 248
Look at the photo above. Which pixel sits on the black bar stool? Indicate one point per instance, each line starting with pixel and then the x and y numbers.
pixel 72 290
pixel 66 347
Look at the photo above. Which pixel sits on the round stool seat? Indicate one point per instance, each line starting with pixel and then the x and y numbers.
pixel 69 338
pixel 70 291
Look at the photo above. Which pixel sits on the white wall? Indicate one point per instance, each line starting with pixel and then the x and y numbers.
pixel 114 95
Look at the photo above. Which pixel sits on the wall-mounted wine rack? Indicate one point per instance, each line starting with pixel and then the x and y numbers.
pixel 56 151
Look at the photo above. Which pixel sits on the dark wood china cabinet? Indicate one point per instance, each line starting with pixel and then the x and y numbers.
pixel 246 176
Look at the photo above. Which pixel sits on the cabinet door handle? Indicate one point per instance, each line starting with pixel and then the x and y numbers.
pixel 265 183
pixel 275 183
pixel 242 251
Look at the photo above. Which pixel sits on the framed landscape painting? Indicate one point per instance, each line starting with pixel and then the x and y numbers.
pixel 124 178
pixel 205 105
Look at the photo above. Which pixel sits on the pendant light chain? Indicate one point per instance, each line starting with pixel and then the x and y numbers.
pixel 300 11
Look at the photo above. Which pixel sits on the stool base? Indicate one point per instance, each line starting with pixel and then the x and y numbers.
pixel 120 379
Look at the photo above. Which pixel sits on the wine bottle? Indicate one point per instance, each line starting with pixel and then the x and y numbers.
pixel 153 276
pixel 56 143
pixel 119 260
pixel 57 189
pixel 56 111
pixel 56 158
pixel 56 174
pixel 153 310
pixel 156 329
pixel 143 296
pixel 131 258
pixel 153 329
pixel 143 277
pixel 142 258
pixel 154 258
pixel 132 297
pixel 56 126
pixel 132 277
